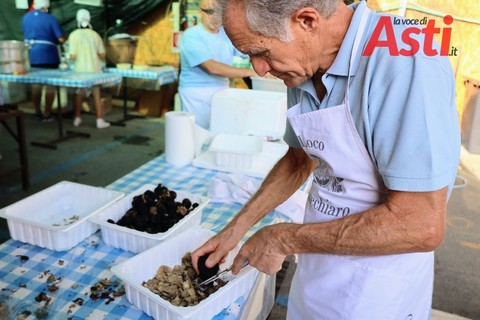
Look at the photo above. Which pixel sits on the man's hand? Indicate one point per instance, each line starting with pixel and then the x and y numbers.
pixel 265 250
pixel 217 247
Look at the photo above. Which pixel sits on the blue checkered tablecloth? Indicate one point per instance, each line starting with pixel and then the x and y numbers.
pixel 75 271
pixel 63 78
pixel 164 74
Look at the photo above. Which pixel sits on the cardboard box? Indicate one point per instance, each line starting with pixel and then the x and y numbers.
pixel 149 103
pixel 106 104
pixel 156 103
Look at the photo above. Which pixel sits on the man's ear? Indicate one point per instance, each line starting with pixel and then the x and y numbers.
pixel 307 18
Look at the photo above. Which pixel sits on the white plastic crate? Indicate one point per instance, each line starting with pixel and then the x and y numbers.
pixel 137 241
pixel 236 151
pixel 56 218
pixel 243 111
pixel 267 84
pixel 144 266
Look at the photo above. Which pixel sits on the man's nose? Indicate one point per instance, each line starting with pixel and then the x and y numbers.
pixel 260 65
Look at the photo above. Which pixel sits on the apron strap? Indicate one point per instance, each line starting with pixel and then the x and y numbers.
pixel 356 44
pixel 32 42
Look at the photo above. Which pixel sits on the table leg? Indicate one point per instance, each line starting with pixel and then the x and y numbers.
pixel 126 116
pixel 125 113
pixel 19 137
pixel 59 113
pixel 22 146
pixel 61 136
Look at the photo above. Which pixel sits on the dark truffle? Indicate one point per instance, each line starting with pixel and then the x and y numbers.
pixel 187 203
pixel 149 197
pixel 204 272
pixel 155 211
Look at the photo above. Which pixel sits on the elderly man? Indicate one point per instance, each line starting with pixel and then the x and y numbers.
pixel 206 57
pixel 43 33
pixel 382 143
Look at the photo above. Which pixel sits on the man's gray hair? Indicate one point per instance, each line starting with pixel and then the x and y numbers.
pixel 271 18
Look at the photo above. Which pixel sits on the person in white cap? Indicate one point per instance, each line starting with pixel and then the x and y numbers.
pixel 87 50
pixel 43 33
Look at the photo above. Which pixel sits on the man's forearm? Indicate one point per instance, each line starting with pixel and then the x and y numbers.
pixel 283 180
pixel 407 222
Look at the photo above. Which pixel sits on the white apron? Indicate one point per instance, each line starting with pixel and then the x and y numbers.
pixel 198 100
pixel 333 287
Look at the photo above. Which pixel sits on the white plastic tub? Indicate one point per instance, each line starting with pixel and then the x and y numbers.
pixel 236 151
pixel 267 84
pixel 243 111
pixel 137 241
pixel 144 266
pixel 57 218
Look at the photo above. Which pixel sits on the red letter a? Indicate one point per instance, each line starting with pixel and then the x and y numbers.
pixel 374 41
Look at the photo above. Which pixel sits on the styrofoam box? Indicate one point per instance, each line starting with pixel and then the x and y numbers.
pixel 144 266
pixel 56 218
pixel 243 111
pixel 236 151
pixel 11 92
pixel 137 241
pixel 267 84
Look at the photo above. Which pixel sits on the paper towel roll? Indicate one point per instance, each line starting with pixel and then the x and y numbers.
pixel 179 137
pixel 202 137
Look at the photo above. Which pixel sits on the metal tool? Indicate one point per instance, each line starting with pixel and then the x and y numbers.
pixel 202 285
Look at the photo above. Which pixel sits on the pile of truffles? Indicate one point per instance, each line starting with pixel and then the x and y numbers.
pixel 177 284
pixel 155 211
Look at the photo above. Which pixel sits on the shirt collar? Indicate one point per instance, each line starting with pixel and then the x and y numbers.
pixel 341 63
pixel 307 86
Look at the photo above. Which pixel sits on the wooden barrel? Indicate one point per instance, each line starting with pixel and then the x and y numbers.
pixel 121 51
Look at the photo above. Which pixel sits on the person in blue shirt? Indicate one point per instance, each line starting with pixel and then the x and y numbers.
pixel 379 134
pixel 206 57
pixel 43 33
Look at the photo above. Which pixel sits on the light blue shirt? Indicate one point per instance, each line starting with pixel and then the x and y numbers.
pixel 403 108
pixel 197 46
